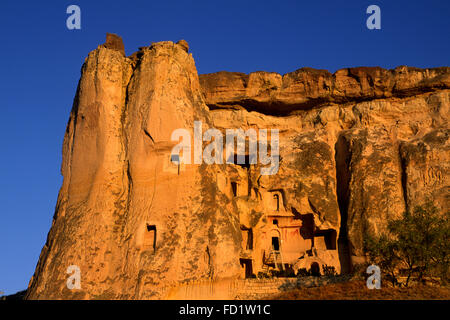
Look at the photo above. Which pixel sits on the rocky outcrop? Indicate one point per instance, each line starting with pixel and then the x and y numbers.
pixel 114 42
pixel 366 160
pixel 184 45
pixel 125 216
pixel 374 188
pixel 426 168
pixel 356 147
pixel 273 94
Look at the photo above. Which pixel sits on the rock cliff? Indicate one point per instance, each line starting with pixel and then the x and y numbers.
pixel 356 147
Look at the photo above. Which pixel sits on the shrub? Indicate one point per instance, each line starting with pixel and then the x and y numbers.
pixel 288 272
pixel 273 273
pixel 418 245
pixel 329 271
pixel 263 275
pixel 303 272
pixel 359 271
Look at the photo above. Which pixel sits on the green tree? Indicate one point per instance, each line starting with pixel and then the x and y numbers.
pixel 382 252
pixel 417 244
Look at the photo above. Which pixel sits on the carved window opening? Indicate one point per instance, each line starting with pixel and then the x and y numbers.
pixel 247 159
pixel 277 201
pixel 247 236
pixel 315 269
pixel 247 265
pixel 275 222
pixel 150 237
pixel 275 243
pixel 234 188
pixel 175 159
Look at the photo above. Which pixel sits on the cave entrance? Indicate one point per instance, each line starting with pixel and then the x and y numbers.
pixel 242 160
pixel 175 159
pixel 275 243
pixel 234 188
pixel 247 238
pixel 150 237
pixel 343 158
pixel 277 201
pixel 247 265
pixel 315 269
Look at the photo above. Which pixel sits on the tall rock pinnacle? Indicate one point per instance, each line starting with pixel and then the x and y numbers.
pixel 119 183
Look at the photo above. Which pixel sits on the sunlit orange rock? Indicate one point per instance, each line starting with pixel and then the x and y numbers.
pixel 356 147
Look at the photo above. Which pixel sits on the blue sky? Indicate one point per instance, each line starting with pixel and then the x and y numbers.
pixel 40 61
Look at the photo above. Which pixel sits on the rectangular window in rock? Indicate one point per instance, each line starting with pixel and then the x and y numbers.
pixel 234 188
pixel 247 237
pixel 277 201
pixel 275 243
pixel 150 237
pixel 247 265
pixel 175 159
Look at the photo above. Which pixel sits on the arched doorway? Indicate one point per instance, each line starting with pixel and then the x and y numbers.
pixel 315 269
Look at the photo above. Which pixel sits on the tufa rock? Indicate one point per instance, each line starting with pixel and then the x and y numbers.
pixel 356 147
pixel 184 45
pixel 306 88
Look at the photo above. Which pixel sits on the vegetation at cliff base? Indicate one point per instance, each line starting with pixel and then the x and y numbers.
pixel 416 247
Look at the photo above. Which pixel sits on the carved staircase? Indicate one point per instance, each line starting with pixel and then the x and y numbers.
pixel 275 258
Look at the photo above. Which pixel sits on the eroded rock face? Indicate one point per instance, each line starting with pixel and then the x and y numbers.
pixel 426 168
pixel 356 148
pixel 184 44
pixel 360 161
pixel 126 216
pixel 373 183
pixel 273 94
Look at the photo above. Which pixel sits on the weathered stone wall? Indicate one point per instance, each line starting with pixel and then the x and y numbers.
pixel 229 289
pixel 244 289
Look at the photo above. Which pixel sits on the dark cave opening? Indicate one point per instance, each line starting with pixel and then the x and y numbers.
pixel 404 177
pixel 343 175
